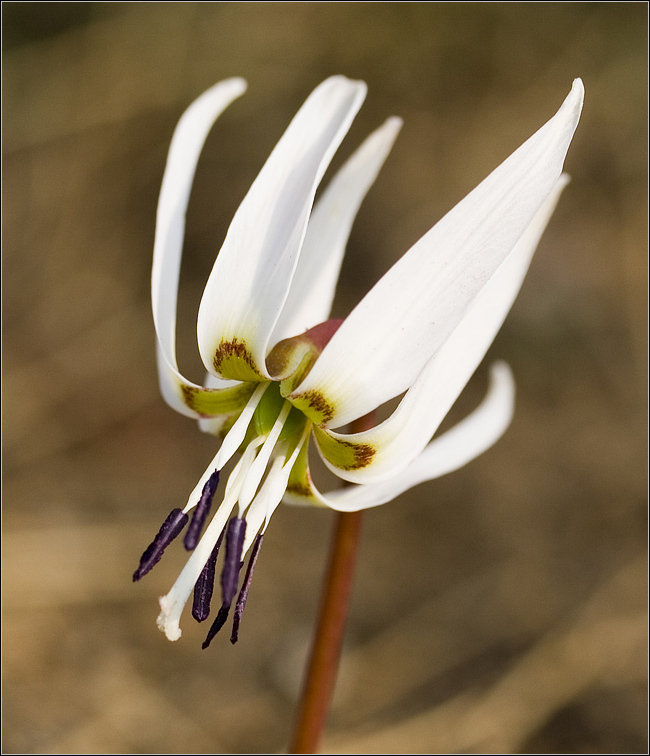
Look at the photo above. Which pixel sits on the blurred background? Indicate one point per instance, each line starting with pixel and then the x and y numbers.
pixel 498 609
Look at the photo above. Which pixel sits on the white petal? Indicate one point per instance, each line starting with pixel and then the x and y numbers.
pixel 314 282
pixel 381 348
pixel 452 450
pixel 251 277
pixel 184 151
pixel 389 447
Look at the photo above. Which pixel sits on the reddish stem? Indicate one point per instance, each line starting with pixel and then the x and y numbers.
pixel 320 677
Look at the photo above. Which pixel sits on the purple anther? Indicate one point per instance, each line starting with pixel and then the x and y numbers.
pixel 219 622
pixel 243 594
pixel 232 563
pixel 205 586
pixel 172 526
pixel 201 511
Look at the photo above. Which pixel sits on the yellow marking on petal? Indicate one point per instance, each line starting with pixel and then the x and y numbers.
pixel 207 401
pixel 313 404
pixel 346 455
pixel 300 483
pixel 233 360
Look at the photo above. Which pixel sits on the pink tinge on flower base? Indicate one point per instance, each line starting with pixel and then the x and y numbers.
pixel 279 373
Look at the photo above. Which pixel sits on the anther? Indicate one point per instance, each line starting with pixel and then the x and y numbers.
pixel 204 586
pixel 201 512
pixel 243 594
pixel 172 526
pixel 235 535
pixel 219 622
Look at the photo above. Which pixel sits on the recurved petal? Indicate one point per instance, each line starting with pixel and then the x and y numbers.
pixel 251 277
pixel 217 425
pixel 186 145
pixel 382 451
pixel 452 450
pixel 314 282
pixel 386 341
pixel 205 404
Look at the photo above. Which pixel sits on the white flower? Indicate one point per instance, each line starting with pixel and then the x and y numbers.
pixel 280 372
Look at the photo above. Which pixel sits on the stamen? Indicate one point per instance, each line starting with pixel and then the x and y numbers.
pixel 272 490
pixel 272 487
pixel 243 594
pixel 201 512
pixel 172 526
pixel 205 585
pixel 230 444
pixel 234 543
pixel 219 622
pixel 257 469
pixel 237 433
pixel 172 604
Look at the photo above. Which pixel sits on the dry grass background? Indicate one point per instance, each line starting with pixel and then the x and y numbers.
pixel 498 609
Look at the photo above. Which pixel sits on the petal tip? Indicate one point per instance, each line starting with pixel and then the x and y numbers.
pixel 237 85
pixel 502 383
pixel 501 371
pixel 343 81
pixel 576 96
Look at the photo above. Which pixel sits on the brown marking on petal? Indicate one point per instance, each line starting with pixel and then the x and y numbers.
pixel 230 349
pixel 189 395
pixel 300 489
pixel 304 491
pixel 239 363
pixel 345 454
pixel 363 454
pixel 316 404
pixel 192 397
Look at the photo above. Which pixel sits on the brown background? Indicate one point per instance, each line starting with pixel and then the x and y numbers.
pixel 501 608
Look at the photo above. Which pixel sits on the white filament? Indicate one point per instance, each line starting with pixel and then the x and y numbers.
pixel 271 493
pixel 230 444
pixel 257 469
pixel 171 605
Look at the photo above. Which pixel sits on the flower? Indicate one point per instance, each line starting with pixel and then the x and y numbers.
pixel 280 373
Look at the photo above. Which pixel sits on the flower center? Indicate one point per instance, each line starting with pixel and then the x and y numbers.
pixel 269 434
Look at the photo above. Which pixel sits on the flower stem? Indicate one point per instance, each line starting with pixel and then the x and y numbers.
pixel 320 676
